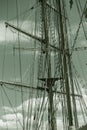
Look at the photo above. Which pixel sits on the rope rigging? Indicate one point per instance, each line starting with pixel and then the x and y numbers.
pixel 77 32
pixel 20 65
pixel 2 95
pixel 26 11
pixel 38 105
pixel 80 8
pixel 14 111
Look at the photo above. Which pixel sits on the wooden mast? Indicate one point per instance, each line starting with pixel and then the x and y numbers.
pixel 49 80
pixel 65 68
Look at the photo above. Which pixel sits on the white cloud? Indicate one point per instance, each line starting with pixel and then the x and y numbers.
pixel 7 109
pixel 31 102
pixel 11 121
pixel 8 124
pixel 12 117
pixel 3 124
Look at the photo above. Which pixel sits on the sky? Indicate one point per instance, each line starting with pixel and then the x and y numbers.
pixel 9 58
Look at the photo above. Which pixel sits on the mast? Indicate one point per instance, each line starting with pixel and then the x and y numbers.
pixel 49 80
pixel 65 67
pixel 66 70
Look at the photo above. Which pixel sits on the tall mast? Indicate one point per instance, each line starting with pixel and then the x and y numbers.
pixel 49 81
pixel 65 67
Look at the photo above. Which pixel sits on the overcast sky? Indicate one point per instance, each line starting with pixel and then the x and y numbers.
pixel 8 39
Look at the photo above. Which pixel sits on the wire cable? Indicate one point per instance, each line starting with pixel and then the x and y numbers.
pixel 11 104
pixel 26 11
pixel 3 106
pixel 78 8
pixel 77 32
pixel 20 65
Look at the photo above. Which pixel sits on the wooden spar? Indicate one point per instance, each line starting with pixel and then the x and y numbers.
pixel 23 32
pixel 18 84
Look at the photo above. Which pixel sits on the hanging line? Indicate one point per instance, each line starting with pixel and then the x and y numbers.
pixel 20 67
pixel 75 39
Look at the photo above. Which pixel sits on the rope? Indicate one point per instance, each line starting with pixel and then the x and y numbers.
pixel 80 16
pixel 33 65
pixel 20 67
pixel 7 10
pixel 26 11
pixel 39 111
pixel 4 109
pixel 10 104
pixel 79 90
pixel 3 65
pixel 77 32
pixel 42 115
pixel 81 93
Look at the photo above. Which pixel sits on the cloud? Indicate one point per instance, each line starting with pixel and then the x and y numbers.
pixel 10 118
pixel 9 124
pixel 31 102
pixel 7 109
